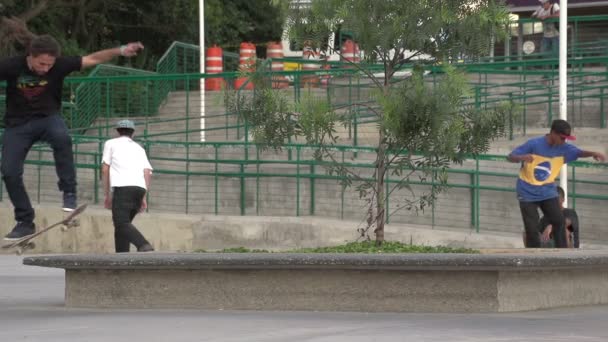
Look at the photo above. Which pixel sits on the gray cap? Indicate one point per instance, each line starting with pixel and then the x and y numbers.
pixel 125 124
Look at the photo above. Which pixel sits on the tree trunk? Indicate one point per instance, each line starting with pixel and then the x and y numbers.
pixel 381 170
pixel 380 193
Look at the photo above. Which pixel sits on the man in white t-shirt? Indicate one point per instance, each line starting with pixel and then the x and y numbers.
pixel 550 42
pixel 126 171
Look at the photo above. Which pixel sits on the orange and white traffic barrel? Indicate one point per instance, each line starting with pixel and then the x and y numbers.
pixel 324 79
pixel 310 80
pixel 274 50
pixel 347 53
pixel 214 65
pixel 246 64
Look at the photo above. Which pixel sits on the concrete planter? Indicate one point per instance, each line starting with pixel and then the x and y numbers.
pixel 501 282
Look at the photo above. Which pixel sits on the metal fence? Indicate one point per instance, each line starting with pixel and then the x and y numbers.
pixel 233 178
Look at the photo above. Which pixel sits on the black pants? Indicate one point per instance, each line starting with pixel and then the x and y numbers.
pixel 16 143
pixel 126 202
pixel 553 212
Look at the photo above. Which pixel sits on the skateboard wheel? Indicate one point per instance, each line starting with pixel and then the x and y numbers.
pixel 64 228
pixel 19 251
pixel 31 245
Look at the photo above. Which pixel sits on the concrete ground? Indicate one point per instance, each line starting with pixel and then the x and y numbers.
pixel 31 309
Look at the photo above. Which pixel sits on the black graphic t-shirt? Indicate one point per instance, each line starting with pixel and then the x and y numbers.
pixel 29 95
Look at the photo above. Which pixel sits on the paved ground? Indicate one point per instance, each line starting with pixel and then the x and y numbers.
pixel 31 309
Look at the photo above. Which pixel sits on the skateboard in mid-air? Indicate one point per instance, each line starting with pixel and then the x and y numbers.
pixel 26 243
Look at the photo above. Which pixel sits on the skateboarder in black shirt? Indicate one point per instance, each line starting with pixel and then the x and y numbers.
pixel 34 84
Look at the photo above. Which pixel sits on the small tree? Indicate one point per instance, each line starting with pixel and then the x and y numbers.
pixel 422 128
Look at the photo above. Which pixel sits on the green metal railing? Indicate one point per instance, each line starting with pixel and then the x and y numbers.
pixel 220 178
pixel 184 58
pixel 105 98
pixel 102 98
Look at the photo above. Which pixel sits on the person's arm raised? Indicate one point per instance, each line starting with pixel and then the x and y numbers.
pixel 103 56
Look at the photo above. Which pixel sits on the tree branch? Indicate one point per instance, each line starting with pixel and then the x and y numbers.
pixel 34 11
pixel 358 67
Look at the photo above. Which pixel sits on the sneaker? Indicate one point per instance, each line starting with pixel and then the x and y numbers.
pixel 21 230
pixel 145 248
pixel 69 201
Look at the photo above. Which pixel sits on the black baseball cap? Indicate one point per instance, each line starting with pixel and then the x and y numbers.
pixel 562 127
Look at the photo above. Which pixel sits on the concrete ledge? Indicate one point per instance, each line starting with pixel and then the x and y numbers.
pixel 335 282
pixel 188 233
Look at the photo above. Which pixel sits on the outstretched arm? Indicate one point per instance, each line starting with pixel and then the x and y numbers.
pixel 596 155
pixel 103 56
pixel 105 177
pixel 148 178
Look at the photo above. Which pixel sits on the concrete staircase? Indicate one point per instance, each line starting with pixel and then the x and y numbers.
pixel 202 192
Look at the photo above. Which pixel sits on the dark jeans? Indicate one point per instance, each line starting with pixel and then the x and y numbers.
pixel 550 46
pixel 553 213
pixel 126 202
pixel 16 143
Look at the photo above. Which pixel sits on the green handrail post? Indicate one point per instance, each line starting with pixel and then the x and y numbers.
pixel 257 181
pixel 247 140
pixel 343 188
pixel 486 92
pixel 472 193
pixel 188 108
pixel 215 146
pixel 550 111
pixel 350 101
pixel 289 157
pixel 355 127
pixel 573 187
pixel 602 114
pixel 358 109
pixel 187 176
pixel 227 123
pixel 147 149
pixel 433 187
pixel 298 182
pixel 312 189
pixel 243 197
pixel 523 94
pixel 475 196
pixel 97 160
pixel 511 119
pixel 107 106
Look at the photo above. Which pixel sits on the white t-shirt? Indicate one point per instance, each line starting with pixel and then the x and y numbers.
pixel 549 29
pixel 127 161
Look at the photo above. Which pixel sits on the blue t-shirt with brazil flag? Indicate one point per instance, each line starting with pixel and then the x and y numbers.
pixel 537 179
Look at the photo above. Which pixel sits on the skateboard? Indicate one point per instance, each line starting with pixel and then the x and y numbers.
pixel 26 243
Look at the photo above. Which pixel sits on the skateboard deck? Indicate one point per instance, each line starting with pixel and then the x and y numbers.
pixel 25 242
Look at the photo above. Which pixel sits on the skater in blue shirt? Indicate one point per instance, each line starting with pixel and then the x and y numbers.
pixel 541 159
